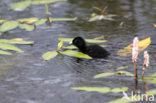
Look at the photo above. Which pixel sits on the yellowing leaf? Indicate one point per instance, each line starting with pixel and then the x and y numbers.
pixel 60 44
pixel 28 20
pixel 49 55
pixel 75 54
pixel 9 25
pixel 2 21
pixel 17 39
pixel 143 44
pixel 154 25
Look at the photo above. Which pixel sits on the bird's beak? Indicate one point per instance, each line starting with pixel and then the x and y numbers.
pixel 70 43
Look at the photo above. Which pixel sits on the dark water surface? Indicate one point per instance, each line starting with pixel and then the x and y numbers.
pixel 26 78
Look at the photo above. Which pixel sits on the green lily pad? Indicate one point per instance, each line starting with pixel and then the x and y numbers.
pixel 122 67
pixel 104 75
pixel 75 54
pixel 88 40
pixel 151 92
pixel 60 44
pixel 8 25
pixel 19 6
pixel 49 55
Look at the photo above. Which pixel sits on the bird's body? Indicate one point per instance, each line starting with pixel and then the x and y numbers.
pixel 95 51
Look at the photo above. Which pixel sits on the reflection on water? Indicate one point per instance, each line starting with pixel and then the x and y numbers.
pixel 26 78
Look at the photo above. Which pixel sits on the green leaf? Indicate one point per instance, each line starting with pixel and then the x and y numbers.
pixel 93 89
pixel 19 6
pixel 15 41
pixel 5 46
pixel 88 40
pixel 75 54
pixel 125 73
pixel 123 67
pixel 60 44
pixel 63 19
pixel 122 89
pixel 151 92
pixel 69 47
pixel 41 2
pixel 49 55
pixel 8 25
pixel 40 22
pixel 5 52
pixel 104 75
pixel 27 27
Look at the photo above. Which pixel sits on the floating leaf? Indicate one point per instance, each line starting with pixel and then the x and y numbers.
pixel 41 2
pixel 104 75
pixel 125 73
pixel 123 67
pixel 93 89
pixel 5 46
pixel 8 25
pixel 40 22
pixel 49 55
pixel 28 20
pixel 2 21
pixel 27 27
pixel 122 89
pixel 151 81
pixel 74 47
pixel 60 44
pixel 15 41
pixel 19 6
pixel 75 54
pixel 5 52
pixel 143 44
pixel 88 40
pixel 151 92
pixel 63 19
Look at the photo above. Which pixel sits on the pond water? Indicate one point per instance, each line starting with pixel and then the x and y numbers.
pixel 26 78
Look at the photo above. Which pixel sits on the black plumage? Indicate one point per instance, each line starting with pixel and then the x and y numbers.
pixel 94 50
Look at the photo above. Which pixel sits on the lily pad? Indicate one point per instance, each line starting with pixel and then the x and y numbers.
pixel 143 44
pixel 88 40
pixel 49 55
pixel 28 20
pixel 8 25
pixel 75 54
pixel 117 90
pixel 40 22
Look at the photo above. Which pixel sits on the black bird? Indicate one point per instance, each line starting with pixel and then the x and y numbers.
pixel 95 51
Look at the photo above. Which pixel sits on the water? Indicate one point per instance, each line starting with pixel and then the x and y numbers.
pixel 26 78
